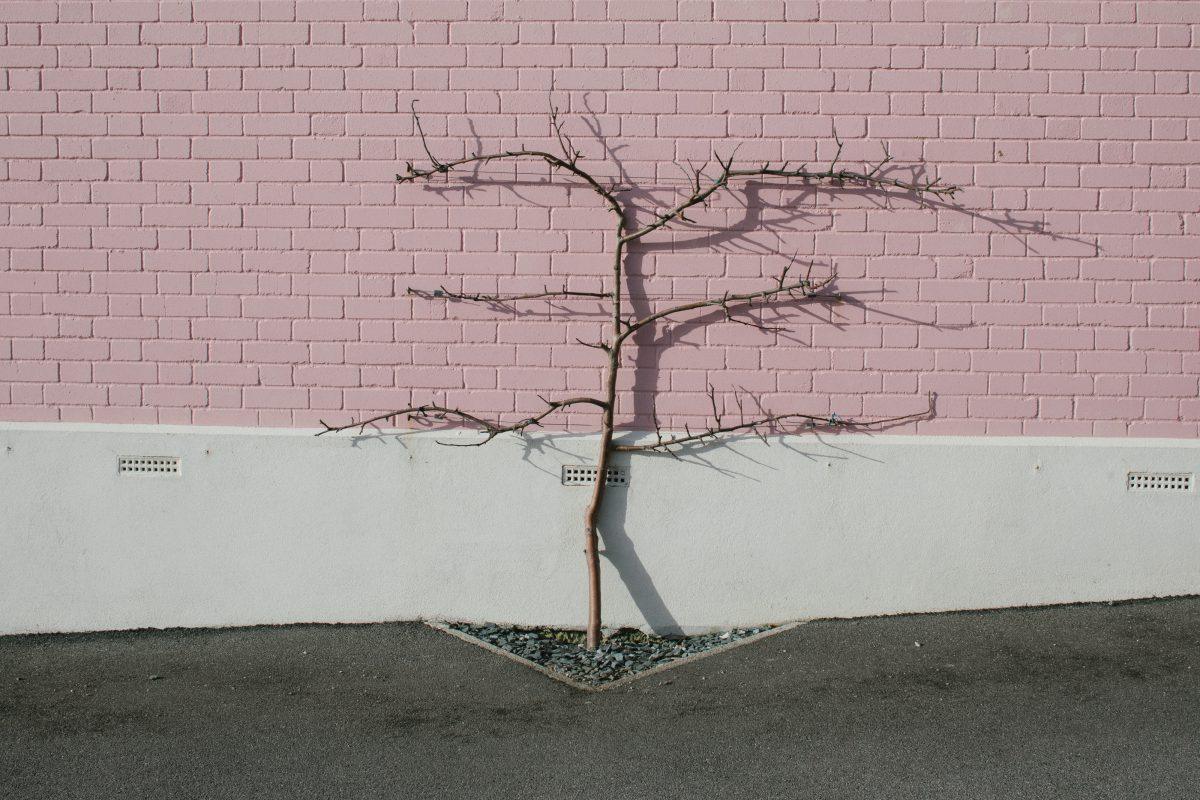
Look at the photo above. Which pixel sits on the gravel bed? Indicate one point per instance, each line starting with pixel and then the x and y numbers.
pixel 625 652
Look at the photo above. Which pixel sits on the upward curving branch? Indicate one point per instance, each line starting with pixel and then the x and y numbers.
pixel 566 163
pixel 802 289
pixel 872 178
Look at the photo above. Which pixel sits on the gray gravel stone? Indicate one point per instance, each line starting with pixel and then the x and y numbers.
pixel 625 652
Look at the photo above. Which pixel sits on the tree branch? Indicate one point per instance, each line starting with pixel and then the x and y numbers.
pixel 567 163
pixel 564 139
pixel 802 289
pixel 831 174
pixel 755 426
pixel 444 293
pixel 440 413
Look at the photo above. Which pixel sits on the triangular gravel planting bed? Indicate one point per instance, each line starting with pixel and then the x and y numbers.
pixel 625 655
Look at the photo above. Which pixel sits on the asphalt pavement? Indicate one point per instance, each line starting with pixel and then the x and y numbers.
pixel 1097 701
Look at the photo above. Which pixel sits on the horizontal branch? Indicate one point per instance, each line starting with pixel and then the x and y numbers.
pixel 441 413
pixel 755 426
pixel 802 289
pixel 443 292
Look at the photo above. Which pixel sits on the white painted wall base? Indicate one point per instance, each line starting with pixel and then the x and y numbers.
pixel 266 526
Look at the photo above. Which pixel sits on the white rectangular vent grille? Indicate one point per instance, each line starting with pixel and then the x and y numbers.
pixel 1159 482
pixel 148 465
pixel 585 476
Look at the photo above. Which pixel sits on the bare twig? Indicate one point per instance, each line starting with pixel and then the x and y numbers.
pixel 564 139
pixel 441 167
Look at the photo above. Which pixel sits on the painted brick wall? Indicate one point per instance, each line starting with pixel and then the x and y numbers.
pixel 199 221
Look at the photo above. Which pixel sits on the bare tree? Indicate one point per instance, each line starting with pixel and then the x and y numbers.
pixel 784 288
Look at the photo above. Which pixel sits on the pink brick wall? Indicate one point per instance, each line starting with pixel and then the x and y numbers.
pixel 199 222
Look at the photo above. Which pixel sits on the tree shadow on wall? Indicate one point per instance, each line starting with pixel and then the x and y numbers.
pixel 619 550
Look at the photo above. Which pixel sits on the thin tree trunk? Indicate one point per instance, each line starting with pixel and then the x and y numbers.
pixel 591 517
pixel 591 545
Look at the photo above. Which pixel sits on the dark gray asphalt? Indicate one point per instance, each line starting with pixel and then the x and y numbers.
pixel 1080 702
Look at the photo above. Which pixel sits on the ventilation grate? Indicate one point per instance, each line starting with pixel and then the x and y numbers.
pixel 1159 482
pixel 586 476
pixel 148 465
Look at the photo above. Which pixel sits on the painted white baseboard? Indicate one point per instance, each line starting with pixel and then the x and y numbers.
pixel 272 526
